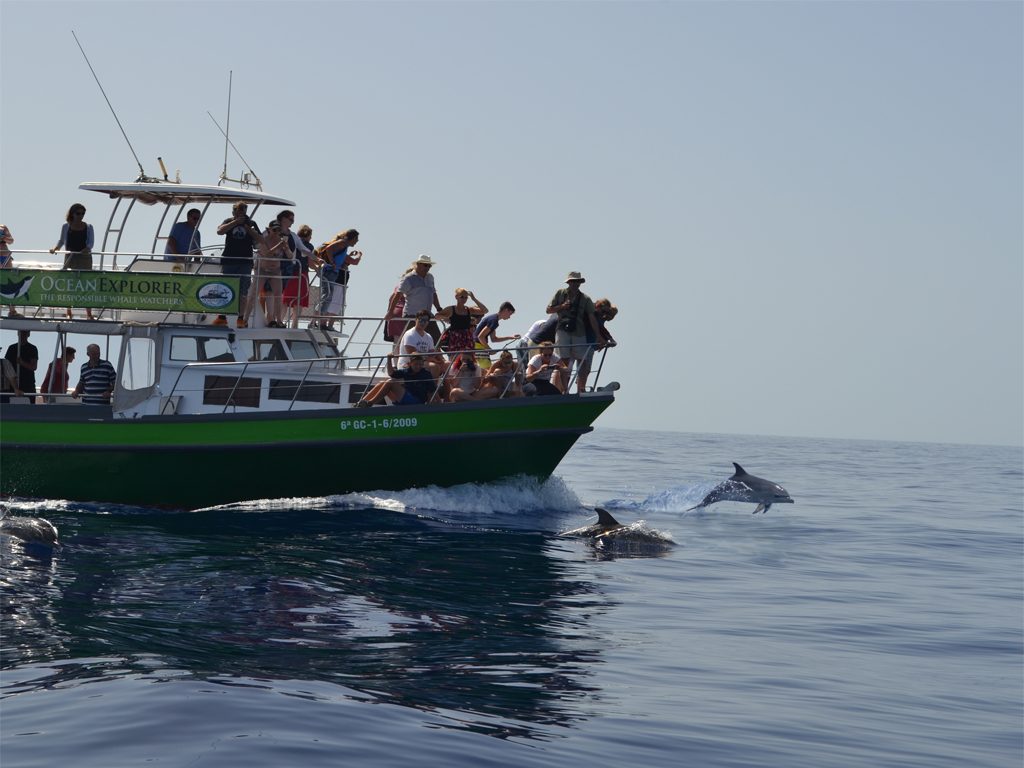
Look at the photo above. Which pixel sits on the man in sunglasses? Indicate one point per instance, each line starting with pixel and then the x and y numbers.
pixel 546 371
pixel 417 340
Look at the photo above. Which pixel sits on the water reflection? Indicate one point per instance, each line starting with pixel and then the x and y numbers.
pixel 491 629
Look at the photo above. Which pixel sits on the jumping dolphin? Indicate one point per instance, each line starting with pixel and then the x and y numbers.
pixel 31 530
pixel 15 290
pixel 744 487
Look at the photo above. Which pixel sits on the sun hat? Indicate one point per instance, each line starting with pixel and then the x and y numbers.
pixel 424 259
pixel 574 276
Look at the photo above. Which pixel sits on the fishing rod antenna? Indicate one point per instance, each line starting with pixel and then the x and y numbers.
pixel 142 172
pixel 249 178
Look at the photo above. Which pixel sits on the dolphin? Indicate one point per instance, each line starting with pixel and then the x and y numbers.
pixel 606 524
pixel 745 487
pixel 611 535
pixel 15 290
pixel 31 530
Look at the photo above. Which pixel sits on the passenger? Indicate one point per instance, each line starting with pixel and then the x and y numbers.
pixel 240 237
pixel 546 371
pixel 463 378
pixel 420 295
pixel 458 316
pixel 410 385
pixel 96 379
pixel 7 259
pixel 24 358
pixel 6 239
pixel 487 331
pixel 575 311
pixel 185 239
pixel 8 381
pixel 78 237
pixel 542 330
pixel 274 250
pixel 499 380
pixel 605 311
pixel 296 289
pixel 394 326
pixel 334 258
pixel 55 382
pixel 417 341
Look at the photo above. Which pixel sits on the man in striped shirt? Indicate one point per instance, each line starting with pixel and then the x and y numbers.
pixel 96 383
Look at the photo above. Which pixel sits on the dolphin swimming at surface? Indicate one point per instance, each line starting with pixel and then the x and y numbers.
pixel 745 487
pixel 31 530
pixel 636 538
pixel 605 524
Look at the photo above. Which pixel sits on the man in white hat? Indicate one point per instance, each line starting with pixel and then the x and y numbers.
pixel 575 312
pixel 418 288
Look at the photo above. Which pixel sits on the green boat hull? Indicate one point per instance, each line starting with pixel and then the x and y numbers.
pixel 189 462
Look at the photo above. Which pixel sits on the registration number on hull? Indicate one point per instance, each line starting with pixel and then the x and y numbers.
pixel 398 422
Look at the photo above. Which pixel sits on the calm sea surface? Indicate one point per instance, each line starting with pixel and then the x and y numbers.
pixel 876 622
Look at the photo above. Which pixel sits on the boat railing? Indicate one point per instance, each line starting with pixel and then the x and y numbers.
pixel 371 365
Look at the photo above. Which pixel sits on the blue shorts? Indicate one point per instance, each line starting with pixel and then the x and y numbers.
pixel 409 399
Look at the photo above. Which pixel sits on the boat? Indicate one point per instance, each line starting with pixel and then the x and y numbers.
pixel 206 414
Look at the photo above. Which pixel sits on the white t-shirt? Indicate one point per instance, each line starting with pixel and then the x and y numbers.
pixel 537 361
pixel 413 338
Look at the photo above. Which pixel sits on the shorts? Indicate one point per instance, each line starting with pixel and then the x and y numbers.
pixel 78 261
pixel 572 346
pixel 409 399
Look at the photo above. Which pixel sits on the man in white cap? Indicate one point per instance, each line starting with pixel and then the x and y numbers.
pixel 418 288
pixel 575 312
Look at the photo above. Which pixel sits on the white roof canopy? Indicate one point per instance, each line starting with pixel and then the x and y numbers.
pixel 170 193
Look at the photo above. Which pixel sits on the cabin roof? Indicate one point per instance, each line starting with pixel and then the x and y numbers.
pixel 170 193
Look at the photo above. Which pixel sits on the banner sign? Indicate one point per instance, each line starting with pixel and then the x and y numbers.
pixel 160 292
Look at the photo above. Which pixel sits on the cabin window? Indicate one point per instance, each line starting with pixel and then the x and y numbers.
pixel 262 349
pixel 192 349
pixel 231 390
pixel 215 349
pixel 185 348
pixel 138 370
pixel 302 349
pixel 308 391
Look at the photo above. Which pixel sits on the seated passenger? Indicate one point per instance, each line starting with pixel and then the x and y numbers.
pixel 417 340
pixel 411 385
pixel 463 378
pixel 499 380
pixel 546 370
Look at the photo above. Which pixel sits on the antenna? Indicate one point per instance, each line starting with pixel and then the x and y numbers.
pixel 224 173
pixel 249 178
pixel 142 172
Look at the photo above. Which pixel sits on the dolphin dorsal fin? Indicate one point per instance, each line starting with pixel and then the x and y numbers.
pixel 740 471
pixel 604 517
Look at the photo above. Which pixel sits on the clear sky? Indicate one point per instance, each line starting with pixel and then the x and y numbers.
pixel 809 214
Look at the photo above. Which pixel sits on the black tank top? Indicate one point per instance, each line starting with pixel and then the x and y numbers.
pixel 459 322
pixel 76 239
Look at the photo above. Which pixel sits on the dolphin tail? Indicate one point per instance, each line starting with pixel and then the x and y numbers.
pixel 604 517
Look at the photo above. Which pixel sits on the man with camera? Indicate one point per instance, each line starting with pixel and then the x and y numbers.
pixel 575 311
pixel 241 235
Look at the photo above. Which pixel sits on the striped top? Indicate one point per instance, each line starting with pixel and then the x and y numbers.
pixel 96 382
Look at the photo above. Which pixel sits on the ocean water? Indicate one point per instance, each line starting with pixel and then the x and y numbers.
pixel 875 622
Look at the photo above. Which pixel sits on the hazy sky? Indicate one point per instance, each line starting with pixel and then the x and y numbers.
pixel 809 214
